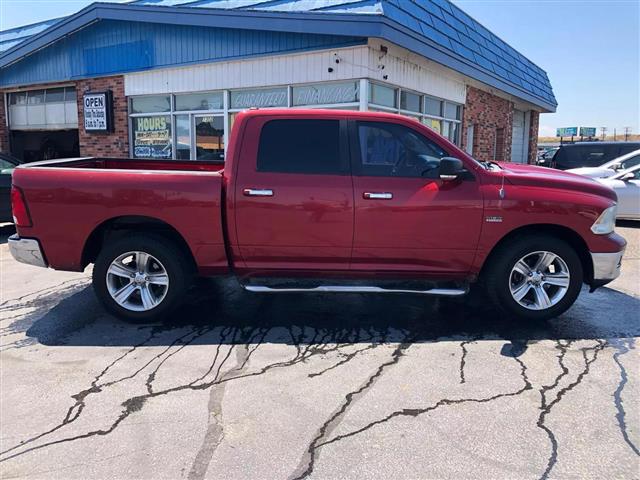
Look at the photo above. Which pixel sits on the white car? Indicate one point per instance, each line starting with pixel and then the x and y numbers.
pixel 610 168
pixel 627 186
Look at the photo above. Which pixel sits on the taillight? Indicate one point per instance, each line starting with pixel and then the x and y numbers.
pixel 19 208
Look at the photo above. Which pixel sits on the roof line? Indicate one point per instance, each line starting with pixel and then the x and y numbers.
pixel 375 25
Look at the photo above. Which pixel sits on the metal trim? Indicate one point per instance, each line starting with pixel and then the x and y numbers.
pixel 448 292
pixel 26 250
pixel 606 266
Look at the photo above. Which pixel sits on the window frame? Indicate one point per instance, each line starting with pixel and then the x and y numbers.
pixel 344 161
pixel 356 155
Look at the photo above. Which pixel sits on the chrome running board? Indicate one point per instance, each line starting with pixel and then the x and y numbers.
pixel 447 292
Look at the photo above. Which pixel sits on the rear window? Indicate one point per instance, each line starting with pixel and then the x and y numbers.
pixel 300 146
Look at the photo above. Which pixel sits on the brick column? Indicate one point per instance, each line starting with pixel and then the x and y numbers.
pixel 492 119
pixel 115 144
pixel 4 128
pixel 534 121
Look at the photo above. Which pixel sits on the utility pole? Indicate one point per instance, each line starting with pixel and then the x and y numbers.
pixel 627 131
pixel 603 130
pixel 614 134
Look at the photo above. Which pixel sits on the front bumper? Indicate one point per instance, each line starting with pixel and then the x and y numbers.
pixel 27 250
pixel 606 266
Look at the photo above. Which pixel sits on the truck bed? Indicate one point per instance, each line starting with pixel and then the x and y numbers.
pixel 72 200
pixel 106 163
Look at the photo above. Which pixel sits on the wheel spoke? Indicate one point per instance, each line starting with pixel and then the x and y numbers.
pixel 557 279
pixel 158 279
pixel 142 259
pixel 148 300
pixel 120 270
pixel 545 260
pixel 122 295
pixel 542 299
pixel 520 291
pixel 522 268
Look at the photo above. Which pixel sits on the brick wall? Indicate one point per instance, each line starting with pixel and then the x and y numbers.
pixel 533 136
pixel 4 129
pixel 114 144
pixel 491 117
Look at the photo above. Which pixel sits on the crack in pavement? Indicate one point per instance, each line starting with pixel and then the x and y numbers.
pixel 306 464
pixel 546 406
pixel 136 403
pixel 623 348
pixel 215 429
pixel 75 411
pixel 326 428
pixel 463 358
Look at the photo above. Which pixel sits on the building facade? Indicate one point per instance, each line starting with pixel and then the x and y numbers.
pixel 171 78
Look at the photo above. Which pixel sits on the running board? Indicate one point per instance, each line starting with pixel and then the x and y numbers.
pixel 447 292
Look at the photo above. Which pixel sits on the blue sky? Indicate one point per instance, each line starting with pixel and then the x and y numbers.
pixel 590 50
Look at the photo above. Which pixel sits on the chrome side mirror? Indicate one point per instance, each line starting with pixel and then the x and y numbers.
pixel 450 168
pixel 628 176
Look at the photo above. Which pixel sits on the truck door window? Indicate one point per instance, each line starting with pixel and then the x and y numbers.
pixel 301 146
pixel 392 150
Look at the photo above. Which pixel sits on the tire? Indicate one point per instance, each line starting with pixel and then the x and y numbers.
pixel 518 296
pixel 150 296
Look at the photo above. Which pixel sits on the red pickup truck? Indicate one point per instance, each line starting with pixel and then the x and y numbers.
pixel 320 201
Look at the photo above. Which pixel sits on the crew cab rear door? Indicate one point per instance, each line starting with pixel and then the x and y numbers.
pixel 406 218
pixel 294 195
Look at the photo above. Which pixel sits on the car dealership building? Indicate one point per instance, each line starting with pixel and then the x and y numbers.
pixel 165 78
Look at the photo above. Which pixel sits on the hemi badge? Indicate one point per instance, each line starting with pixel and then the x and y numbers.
pixel 493 219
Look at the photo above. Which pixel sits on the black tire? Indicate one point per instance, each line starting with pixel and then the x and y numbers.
pixel 496 277
pixel 176 263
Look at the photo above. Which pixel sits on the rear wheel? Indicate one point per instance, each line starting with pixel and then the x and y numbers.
pixel 141 277
pixel 533 278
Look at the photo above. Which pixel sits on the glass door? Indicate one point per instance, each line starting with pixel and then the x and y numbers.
pixel 183 137
pixel 209 137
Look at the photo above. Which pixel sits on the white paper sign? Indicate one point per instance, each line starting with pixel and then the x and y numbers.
pixel 95 112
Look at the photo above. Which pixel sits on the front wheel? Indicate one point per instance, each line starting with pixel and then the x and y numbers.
pixel 533 278
pixel 141 277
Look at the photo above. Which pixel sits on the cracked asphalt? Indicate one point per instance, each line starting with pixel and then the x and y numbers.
pixel 243 385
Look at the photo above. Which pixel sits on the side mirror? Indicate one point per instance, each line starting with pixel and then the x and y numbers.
pixel 450 168
pixel 628 176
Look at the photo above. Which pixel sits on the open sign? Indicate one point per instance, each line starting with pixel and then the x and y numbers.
pixel 97 111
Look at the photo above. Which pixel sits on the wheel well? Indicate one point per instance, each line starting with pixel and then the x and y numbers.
pixel 115 228
pixel 558 231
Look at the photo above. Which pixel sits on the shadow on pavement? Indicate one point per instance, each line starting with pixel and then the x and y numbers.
pixel 220 312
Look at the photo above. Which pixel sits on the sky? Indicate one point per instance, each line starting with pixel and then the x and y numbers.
pixel 589 48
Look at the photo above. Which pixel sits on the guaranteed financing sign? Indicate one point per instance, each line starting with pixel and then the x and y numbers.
pixel 97 111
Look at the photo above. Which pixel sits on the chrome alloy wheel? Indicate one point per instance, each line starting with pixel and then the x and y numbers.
pixel 539 280
pixel 137 281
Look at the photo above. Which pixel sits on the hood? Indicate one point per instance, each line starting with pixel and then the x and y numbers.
pixel 530 175
pixel 593 172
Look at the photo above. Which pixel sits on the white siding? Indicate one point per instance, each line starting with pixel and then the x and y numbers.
pixel 401 68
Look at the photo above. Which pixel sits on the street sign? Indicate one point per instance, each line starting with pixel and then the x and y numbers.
pixel 567 132
pixel 587 131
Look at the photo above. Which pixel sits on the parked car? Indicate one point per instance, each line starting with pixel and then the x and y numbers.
pixel 7 164
pixel 321 201
pixel 545 155
pixel 626 184
pixel 609 169
pixel 590 154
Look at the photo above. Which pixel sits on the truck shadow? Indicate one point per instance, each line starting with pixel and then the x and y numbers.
pixel 222 313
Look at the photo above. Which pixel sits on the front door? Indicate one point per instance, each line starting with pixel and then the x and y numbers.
pixel 294 196
pixel 406 218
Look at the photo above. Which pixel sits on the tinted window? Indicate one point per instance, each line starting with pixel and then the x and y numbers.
pixel 396 151
pixel 630 162
pixel 300 146
pixel 585 155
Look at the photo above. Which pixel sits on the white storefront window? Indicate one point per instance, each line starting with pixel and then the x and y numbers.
pixel 196 126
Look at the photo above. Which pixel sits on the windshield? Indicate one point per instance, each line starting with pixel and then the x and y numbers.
pixel 635 170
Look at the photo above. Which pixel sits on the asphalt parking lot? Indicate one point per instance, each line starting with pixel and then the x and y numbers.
pixel 244 385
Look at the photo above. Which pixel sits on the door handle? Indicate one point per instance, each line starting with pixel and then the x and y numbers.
pixel 258 192
pixel 377 195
